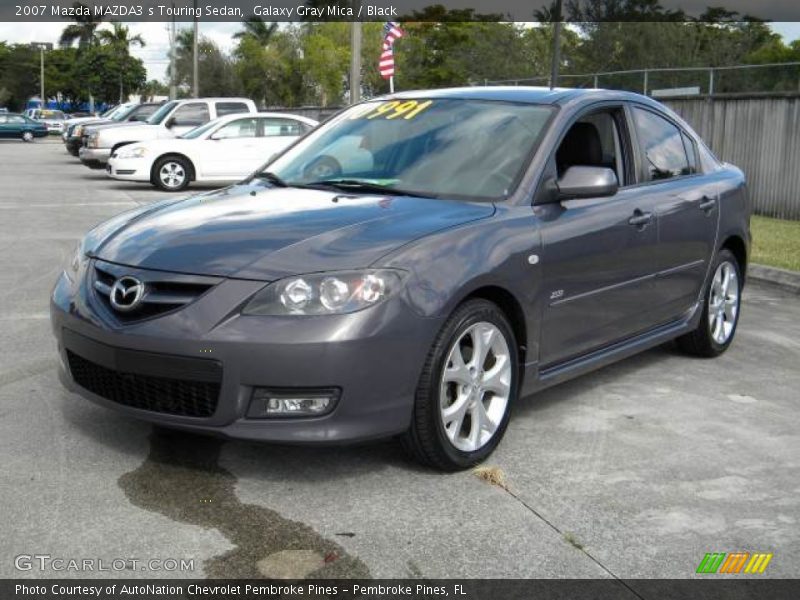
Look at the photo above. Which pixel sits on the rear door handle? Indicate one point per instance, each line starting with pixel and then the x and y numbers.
pixel 707 204
pixel 640 219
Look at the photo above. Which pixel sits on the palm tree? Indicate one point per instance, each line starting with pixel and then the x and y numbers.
pixel 257 29
pixel 120 40
pixel 83 30
pixel 119 37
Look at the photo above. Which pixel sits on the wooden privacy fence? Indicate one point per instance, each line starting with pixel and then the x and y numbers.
pixel 759 134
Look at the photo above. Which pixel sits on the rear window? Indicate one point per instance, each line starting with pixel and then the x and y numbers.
pixel 230 108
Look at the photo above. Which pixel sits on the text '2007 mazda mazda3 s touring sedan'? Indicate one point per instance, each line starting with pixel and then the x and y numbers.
pixel 410 268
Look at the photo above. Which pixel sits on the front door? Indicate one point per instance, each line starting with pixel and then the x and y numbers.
pixel 597 253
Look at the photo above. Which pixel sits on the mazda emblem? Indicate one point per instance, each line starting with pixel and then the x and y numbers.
pixel 126 293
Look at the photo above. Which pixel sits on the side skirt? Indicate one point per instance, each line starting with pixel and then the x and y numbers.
pixel 536 379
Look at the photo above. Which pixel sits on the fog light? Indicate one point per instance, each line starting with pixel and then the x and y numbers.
pixel 267 403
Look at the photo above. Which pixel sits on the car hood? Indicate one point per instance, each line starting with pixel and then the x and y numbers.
pixel 252 231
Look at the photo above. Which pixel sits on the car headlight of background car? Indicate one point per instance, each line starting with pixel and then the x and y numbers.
pixel 77 131
pixel 326 293
pixel 132 152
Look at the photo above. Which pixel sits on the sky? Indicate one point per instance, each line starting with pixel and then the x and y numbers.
pixel 156 37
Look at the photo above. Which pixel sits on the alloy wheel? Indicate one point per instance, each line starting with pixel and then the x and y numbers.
pixel 723 303
pixel 27 136
pixel 172 174
pixel 475 386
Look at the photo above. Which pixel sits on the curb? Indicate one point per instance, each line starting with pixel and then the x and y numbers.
pixel 782 278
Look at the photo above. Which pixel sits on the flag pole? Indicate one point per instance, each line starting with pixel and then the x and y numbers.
pixel 391 84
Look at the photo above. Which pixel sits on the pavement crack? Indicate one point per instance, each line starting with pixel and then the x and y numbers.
pixel 569 537
pixel 182 480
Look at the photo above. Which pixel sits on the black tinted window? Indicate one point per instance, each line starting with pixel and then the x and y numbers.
pixel 229 108
pixel 662 144
pixel 191 114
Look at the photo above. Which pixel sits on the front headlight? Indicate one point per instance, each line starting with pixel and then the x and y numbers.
pixel 78 131
pixel 93 141
pixel 134 152
pixel 76 262
pixel 326 293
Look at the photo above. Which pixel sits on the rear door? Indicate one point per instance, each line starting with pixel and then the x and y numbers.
pixel 597 253
pixel 686 203
pixel 275 134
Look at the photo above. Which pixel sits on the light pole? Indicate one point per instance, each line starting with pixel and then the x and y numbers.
pixel 173 88
pixel 195 79
pixel 556 60
pixel 42 46
pixel 355 62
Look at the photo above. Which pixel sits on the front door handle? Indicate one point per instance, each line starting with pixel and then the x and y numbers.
pixel 640 219
pixel 707 204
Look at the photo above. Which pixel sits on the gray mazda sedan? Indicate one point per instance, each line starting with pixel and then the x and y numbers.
pixel 410 268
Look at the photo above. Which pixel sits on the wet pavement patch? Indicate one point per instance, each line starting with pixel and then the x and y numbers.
pixel 182 480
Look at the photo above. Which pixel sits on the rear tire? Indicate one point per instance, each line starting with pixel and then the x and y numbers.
pixel 468 384
pixel 27 136
pixel 172 173
pixel 721 308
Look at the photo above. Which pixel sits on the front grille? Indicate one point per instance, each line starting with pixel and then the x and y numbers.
pixel 146 392
pixel 164 292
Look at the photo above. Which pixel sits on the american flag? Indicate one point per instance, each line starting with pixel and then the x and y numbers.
pixel 391 32
pixel 386 64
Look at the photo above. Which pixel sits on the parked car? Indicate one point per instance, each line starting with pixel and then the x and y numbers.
pixel 501 240
pixel 13 125
pixel 53 119
pixel 172 119
pixel 3 110
pixel 227 149
pixel 72 122
pixel 132 112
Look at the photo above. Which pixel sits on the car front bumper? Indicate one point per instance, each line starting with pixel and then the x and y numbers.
pixel 94 158
pixel 372 357
pixel 128 169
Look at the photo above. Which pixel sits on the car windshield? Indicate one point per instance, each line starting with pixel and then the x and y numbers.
pixel 122 111
pixel 472 149
pixel 199 131
pixel 161 113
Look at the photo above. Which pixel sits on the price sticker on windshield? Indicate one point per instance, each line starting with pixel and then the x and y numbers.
pixel 395 109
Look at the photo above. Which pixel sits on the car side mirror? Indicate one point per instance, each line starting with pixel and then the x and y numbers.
pixel 170 123
pixel 587 182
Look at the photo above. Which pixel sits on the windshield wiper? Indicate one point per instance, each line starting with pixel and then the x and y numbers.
pixel 271 178
pixel 359 185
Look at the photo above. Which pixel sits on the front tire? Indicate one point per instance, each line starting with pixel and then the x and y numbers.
pixel 468 384
pixel 172 173
pixel 721 308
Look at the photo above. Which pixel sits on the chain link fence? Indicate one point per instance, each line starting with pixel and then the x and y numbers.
pixel 682 81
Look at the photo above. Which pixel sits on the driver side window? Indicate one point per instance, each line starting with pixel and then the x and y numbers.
pixel 190 115
pixel 593 141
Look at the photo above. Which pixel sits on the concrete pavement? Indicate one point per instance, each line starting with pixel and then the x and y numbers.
pixel 636 470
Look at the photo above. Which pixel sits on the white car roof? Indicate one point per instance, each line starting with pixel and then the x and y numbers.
pixel 277 115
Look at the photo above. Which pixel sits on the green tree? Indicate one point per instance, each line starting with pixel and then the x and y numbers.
pixel 119 40
pixel 103 70
pixel 83 30
pixel 216 73
pixel 256 29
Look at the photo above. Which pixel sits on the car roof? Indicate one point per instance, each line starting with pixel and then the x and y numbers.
pixel 528 94
pixel 278 115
